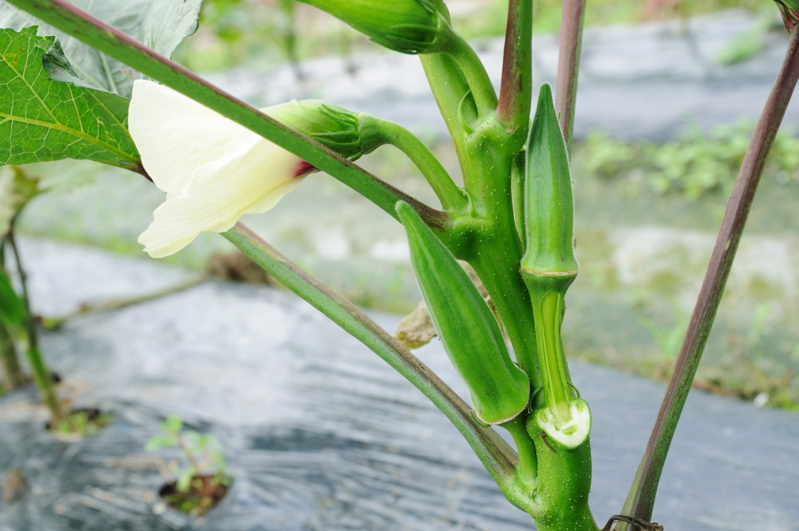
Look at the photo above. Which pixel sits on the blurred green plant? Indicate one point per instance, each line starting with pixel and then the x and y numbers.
pixel 668 338
pixel 201 473
pixel 694 165
pixel 82 423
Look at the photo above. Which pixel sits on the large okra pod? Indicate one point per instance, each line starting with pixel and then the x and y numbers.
pixel 499 389
pixel 548 269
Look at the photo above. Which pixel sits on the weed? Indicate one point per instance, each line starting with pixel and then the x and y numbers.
pixel 202 477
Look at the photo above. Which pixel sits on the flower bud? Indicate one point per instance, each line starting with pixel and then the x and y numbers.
pixel 335 127
pixel 407 26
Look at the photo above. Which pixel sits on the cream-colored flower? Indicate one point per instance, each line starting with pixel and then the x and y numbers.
pixel 213 170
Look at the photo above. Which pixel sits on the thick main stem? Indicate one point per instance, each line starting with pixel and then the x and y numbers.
pixel 495 254
pixel 515 98
pixel 641 498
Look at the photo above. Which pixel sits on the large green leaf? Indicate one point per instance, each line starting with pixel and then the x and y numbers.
pixel 158 24
pixel 42 120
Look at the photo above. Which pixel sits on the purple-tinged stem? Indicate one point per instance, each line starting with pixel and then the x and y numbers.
pixel 641 499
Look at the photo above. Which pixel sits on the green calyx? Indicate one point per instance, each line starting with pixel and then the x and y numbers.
pixel 335 127
pixel 406 26
pixel 499 389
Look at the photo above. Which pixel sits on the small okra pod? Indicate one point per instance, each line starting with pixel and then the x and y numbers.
pixel 499 389
pixel 548 268
pixel 548 202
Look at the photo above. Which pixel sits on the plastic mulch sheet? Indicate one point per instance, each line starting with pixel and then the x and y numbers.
pixel 320 434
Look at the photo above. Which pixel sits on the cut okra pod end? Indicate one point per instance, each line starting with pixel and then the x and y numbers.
pixel 568 423
pixel 498 388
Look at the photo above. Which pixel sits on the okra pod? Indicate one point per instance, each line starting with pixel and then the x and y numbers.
pixel 548 268
pixel 499 389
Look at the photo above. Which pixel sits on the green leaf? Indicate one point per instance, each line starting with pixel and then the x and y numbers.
pixel 43 120
pixel 173 424
pixel 185 475
pixel 160 441
pixel 111 41
pixel 159 24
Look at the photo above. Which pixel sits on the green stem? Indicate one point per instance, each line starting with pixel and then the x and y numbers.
pixel 571 39
pixel 515 97
pixel 527 469
pixel 475 74
pixel 494 249
pixel 497 264
pixel 641 499
pixel 83 26
pixel 45 384
pixel 548 308
pixel 12 371
pixel 495 454
pixel 41 374
pixel 378 131
pixel 451 91
pixel 563 484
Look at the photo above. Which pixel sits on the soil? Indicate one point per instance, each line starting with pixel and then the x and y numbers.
pixel 205 492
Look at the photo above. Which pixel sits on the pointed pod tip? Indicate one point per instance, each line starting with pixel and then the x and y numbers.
pixel 405 211
pixel 546 104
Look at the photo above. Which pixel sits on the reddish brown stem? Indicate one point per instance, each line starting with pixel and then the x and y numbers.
pixel 641 498
pixel 513 109
pixel 571 39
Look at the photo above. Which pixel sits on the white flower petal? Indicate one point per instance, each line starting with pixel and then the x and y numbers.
pixel 174 134
pixel 219 194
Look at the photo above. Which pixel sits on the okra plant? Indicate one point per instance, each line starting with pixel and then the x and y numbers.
pixel 217 158
pixel 17 322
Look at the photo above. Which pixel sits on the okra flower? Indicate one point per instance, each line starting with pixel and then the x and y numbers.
pixel 213 170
